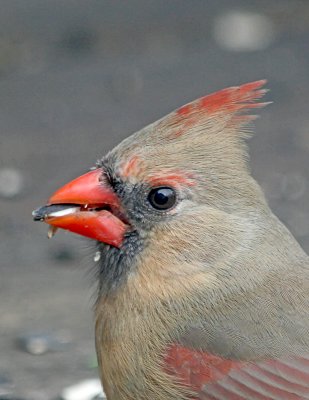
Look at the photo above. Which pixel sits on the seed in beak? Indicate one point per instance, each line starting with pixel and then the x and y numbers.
pixel 54 211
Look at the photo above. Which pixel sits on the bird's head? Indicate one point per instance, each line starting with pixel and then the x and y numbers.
pixel 169 190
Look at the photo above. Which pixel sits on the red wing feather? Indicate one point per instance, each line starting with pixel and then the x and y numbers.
pixel 215 378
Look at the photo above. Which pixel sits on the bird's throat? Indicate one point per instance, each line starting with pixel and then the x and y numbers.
pixel 116 263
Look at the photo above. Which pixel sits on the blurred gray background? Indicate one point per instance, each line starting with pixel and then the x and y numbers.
pixel 78 76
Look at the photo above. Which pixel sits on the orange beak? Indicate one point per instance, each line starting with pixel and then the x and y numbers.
pixel 87 206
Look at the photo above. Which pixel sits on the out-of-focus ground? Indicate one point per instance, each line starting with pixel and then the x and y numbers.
pixel 78 76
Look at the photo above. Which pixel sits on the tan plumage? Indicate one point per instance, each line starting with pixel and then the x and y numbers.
pixel 216 279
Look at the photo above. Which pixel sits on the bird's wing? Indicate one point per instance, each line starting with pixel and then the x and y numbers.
pixel 256 347
pixel 216 378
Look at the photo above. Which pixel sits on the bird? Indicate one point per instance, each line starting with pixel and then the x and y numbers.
pixel 202 292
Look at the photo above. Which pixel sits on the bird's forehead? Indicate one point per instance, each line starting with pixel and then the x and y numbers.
pixel 137 169
pixel 133 167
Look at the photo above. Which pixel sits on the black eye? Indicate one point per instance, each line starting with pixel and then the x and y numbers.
pixel 162 198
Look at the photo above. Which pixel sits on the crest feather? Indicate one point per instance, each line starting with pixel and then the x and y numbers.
pixel 229 104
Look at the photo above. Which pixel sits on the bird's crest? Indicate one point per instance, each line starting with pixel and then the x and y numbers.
pixel 211 125
pixel 229 104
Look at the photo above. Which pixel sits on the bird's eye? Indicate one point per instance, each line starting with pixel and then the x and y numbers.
pixel 162 198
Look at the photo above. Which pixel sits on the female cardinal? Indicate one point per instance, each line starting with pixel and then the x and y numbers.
pixel 203 293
